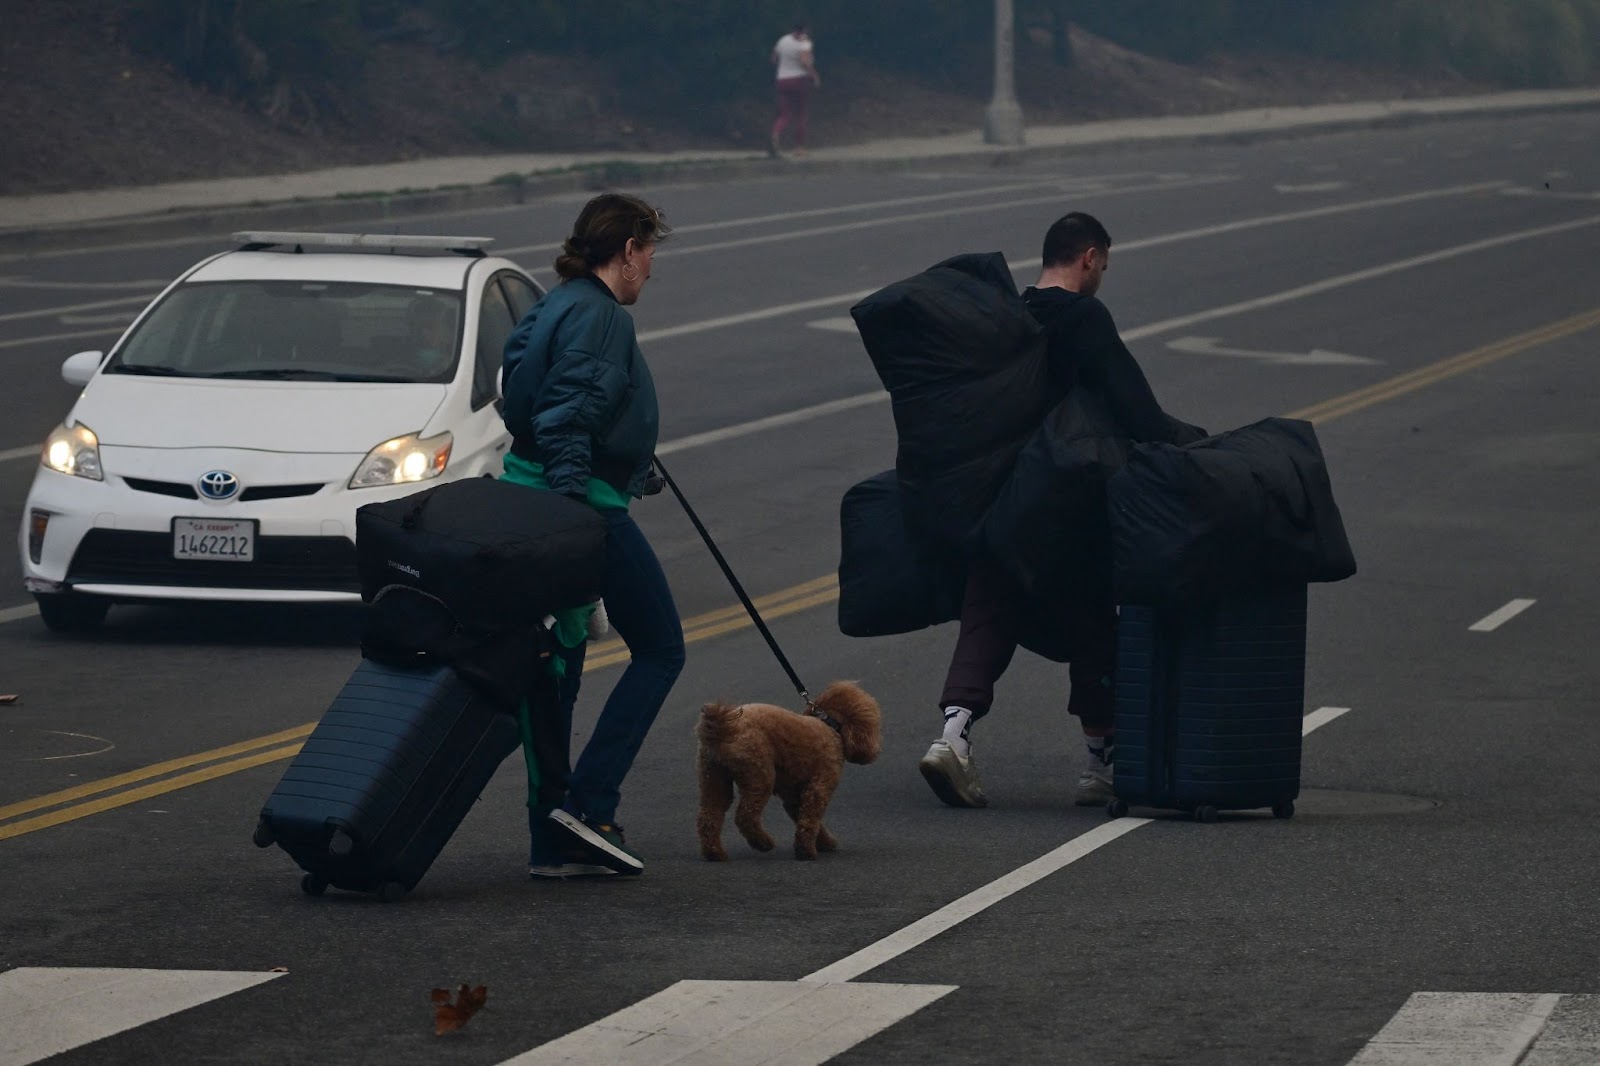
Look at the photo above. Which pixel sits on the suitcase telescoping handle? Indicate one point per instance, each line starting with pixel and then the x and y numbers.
pixel 727 571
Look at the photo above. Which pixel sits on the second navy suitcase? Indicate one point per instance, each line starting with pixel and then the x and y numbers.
pixel 386 777
pixel 1210 705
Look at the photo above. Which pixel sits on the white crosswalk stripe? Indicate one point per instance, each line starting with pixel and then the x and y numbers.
pixel 775 1023
pixel 1488 1029
pixel 47 1010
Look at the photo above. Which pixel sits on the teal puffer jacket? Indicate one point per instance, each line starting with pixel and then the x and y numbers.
pixel 579 399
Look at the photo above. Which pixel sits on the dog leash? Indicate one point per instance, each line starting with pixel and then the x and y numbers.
pixel 755 616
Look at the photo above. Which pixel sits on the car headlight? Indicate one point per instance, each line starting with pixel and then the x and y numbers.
pixel 403 460
pixel 73 450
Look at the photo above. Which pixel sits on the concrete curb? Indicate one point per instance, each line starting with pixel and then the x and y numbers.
pixel 364 211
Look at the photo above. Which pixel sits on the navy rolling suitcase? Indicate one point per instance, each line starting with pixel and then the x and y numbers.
pixel 1210 702
pixel 386 777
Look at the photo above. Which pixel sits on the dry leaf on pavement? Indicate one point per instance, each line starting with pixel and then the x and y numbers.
pixel 449 1016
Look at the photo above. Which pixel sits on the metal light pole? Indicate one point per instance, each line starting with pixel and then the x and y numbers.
pixel 1002 122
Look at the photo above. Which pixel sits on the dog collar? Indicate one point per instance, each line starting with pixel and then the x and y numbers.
pixel 827 719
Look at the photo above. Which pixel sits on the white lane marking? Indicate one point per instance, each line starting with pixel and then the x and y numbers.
pixel 975 902
pixel 17 614
pixel 23 342
pixel 722 1022
pixel 93 305
pixel 1312 186
pixel 842 324
pixel 1314 212
pixel 788 418
pixel 1148 242
pixel 1315 357
pixel 47 1010
pixel 111 318
pixel 1500 616
pixel 40 283
pixel 925 216
pixel 1321 717
pixel 1154 328
pixel 29 451
pixel 1548 193
pixel 1066 187
pixel 979 900
pixel 1459 1029
pixel 1020 265
pixel 1316 288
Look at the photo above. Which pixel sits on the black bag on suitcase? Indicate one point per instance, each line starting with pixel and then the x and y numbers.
pixel 386 777
pixel 499 555
pixel 1210 704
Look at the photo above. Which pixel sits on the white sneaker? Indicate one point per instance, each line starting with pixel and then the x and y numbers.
pixel 953 778
pixel 1094 784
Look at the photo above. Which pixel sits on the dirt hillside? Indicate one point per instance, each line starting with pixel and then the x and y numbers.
pixel 84 110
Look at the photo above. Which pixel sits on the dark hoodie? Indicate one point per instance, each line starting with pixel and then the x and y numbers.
pixel 1085 351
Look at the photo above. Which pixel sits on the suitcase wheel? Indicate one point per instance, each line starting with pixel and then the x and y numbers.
pixel 1205 813
pixel 392 892
pixel 341 844
pixel 312 885
pixel 1283 810
pixel 1116 808
pixel 263 837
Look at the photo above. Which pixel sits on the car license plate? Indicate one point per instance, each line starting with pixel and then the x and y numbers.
pixel 214 540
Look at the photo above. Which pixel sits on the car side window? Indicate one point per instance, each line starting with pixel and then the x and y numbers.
pixel 521 295
pixel 495 323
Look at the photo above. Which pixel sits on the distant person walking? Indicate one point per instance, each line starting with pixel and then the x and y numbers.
pixel 797 76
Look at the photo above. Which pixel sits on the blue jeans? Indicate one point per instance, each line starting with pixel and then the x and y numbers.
pixel 639 605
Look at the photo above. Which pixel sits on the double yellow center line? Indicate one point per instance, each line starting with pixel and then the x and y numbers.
pixel 43 812
pixel 142 784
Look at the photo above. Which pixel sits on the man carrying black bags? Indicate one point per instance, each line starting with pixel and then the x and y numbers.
pixel 1083 352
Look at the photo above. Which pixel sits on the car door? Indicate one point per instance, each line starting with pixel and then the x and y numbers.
pixel 483 441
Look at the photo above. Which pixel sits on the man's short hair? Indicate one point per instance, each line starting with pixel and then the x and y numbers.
pixel 1071 235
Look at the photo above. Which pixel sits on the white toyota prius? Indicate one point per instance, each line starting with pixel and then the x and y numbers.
pixel 220 449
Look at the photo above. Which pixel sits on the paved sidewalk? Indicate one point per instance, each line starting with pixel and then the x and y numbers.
pixel 515 173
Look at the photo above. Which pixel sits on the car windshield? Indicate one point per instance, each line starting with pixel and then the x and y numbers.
pixel 298 331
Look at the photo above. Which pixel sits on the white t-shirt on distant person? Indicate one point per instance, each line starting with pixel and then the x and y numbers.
pixel 789 49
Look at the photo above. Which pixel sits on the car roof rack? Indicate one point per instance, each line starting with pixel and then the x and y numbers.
pixel 260 240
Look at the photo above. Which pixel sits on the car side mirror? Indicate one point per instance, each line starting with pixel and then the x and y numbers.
pixel 78 369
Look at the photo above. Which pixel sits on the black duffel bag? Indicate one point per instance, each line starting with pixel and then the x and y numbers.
pixel 1245 509
pixel 888 582
pixel 500 556
pixel 891 581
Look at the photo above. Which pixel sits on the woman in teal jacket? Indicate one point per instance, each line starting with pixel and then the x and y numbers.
pixel 581 408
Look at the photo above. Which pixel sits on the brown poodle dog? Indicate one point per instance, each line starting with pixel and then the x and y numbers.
pixel 765 749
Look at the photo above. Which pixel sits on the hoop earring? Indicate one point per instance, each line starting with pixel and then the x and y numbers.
pixel 627 276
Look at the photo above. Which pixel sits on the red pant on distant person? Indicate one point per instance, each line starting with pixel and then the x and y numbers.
pixel 794 96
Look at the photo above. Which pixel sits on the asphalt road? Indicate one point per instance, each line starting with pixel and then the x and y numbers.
pixel 1444 842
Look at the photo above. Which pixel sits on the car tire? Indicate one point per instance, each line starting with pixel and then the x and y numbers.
pixel 72 615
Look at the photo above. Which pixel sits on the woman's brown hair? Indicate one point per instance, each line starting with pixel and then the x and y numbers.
pixel 602 231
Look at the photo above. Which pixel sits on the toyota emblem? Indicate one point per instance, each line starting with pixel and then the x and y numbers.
pixel 218 485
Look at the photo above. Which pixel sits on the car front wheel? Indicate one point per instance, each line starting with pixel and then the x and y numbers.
pixel 72 614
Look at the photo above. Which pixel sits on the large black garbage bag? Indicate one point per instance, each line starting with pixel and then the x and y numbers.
pixel 497 555
pixel 1049 527
pixel 1244 509
pixel 891 582
pixel 964 363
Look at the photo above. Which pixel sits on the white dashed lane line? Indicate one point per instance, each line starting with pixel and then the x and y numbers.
pixel 1499 617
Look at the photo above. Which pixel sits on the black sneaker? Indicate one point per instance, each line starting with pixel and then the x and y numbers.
pixel 555 854
pixel 603 842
